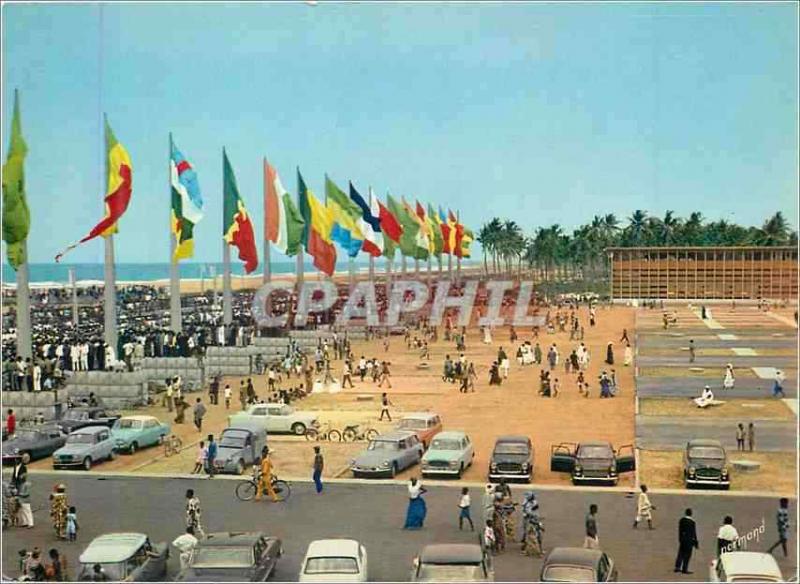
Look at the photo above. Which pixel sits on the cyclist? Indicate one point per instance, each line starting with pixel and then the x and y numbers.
pixel 532 526
pixel 265 478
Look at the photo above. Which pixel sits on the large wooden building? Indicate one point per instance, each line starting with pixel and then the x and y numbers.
pixel 696 273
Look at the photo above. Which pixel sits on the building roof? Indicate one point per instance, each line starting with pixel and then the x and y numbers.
pixel 451 553
pixel 751 564
pixel 572 556
pixel 333 548
pixel 112 548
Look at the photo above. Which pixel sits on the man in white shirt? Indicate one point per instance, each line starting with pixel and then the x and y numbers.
pixel 84 356
pixel 727 537
pixel 185 543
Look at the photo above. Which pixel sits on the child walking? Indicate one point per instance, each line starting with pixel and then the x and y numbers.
pixel 200 461
pixel 464 507
pixel 488 537
pixel 72 524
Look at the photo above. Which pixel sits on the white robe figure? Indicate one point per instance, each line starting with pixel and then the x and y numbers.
pixel 75 356
pixel 729 380
pixel 487 335
pixel 628 355
pixel 85 357
pixel 110 358
pixel 37 377
pixel 705 399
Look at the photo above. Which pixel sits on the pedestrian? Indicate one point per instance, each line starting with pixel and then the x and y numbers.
pixel 24 512
pixel 185 543
pixel 489 540
pixel 610 353
pixel 11 424
pixel 58 510
pixel 727 536
pixel 643 508
pixel 200 460
pixel 691 350
pixel 687 542
pixel 346 375
pixel 385 403
pixel 751 436
pixel 628 355
pixel 193 514
pixel 211 456
pixel 242 395
pixel 319 465
pixel 777 386
pixel 199 412
pixel 464 510
pixel 782 521
pixel 415 514
pixel 56 569
pixel 265 480
pixel 592 540
pixel 72 524
pixel 386 375
pixel 227 395
pixel 730 379
pixel 624 336
pixel 740 437
pixel 503 361
pixel 169 394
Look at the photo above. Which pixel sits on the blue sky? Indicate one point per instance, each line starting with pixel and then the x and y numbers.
pixel 542 113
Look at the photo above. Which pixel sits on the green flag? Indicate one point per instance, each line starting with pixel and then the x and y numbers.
pixel 408 241
pixel 438 241
pixel 16 215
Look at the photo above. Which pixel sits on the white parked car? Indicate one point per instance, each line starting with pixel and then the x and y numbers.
pixel 745 567
pixel 275 418
pixel 334 560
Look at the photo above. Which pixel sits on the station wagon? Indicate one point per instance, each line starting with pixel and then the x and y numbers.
pixel 124 557
pixel 85 447
pixel 425 425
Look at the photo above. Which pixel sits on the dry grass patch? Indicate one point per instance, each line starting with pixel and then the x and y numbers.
pixel 732 408
pixel 778 473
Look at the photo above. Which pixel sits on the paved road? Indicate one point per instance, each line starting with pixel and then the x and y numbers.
pixel 374 513
pixel 650 341
pixel 670 433
pixel 718 361
pixel 746 388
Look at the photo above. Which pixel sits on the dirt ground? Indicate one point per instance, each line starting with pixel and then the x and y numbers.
pixel 778 472
pixel 732 408
pixel 513 408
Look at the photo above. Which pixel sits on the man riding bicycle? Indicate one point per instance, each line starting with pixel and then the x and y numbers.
pixel 265 477
pixel 532 526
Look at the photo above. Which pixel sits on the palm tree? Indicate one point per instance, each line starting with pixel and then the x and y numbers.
pixel 635 231
pixel 775 231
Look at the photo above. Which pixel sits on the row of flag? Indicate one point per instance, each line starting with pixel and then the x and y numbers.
pixel 349 220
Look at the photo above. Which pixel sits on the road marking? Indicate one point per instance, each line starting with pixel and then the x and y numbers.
pixel 727 337
pixel 709 322
pixel 791 404
pixel 783 319
pixel 744 351
pixel 765 372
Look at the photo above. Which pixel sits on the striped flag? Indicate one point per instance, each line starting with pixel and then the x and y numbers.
pixel 370 222
pixel 187 204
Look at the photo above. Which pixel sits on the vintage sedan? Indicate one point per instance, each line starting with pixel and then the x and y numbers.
pixel 450 454
pixel 126 557
pixel 705 464
pixel 276 418
pixel 745 567
pixel 569 564
pixel 424 424
pixel 592 462
pixel 134 432
pixel 512 459
pixel 238 448
pixel 83 416
pixel 84 447
pixel 453 562
pixel 334 560
pixel 387 455
pixel 33 443
pixel 233 556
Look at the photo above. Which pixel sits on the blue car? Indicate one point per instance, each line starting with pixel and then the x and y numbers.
pixel 134 432
pixel 85 447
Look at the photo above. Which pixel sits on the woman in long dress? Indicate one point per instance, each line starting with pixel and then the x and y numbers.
pixel 730 379
pixel 487 335
pixel 415 515
pixel 628 354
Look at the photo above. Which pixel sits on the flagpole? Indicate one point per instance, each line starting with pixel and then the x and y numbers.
pixel 299 267
pixel 458 243
pixel 227 293
pixel 174 277
pixel 74 287
pixel 450 265
pixel 351 268
pixel 403 263
pixel 110 290
pixel 416 266
pixel 24 347
pixel 430 261
pixel 267 261
pixel 371 268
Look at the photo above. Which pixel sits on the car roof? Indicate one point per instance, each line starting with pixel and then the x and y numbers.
pixel 703 442
pixel 422 415
pixel 112 548
pixel 596 443
pixel 140 418
pixel 325 548
pixel 451 553
pixel 750 564
pixel 86 408
pixel 90 430
pixel 512 438
pixel 450 434
pixel 573 556
pixel 230 538
pixel 394 435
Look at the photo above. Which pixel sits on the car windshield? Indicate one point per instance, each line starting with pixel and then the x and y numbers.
pixel 603 452
pixel 340 565
pixel 28 435
pixel 228 441
pixel 382 445
pixel 511 448
pixel 223 557
pixel 451 573
pixel 710 452
pixel 76 415
pixel 412 424
pixel 568 574
pixel 80 439
pixel 124 424
pixel 443 444
pixel 114 572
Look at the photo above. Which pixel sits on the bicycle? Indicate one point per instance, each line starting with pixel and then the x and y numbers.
pixel 172 445
pixel 328 433
pixel 353 432
pixel 246 489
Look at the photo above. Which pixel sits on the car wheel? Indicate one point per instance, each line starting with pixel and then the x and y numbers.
pixel 460 471
pixel 87 463
pixel 161 439
pixel 240 467
pixel 112 455
pixel 298 429
pixel 133 447
pixel 394 469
